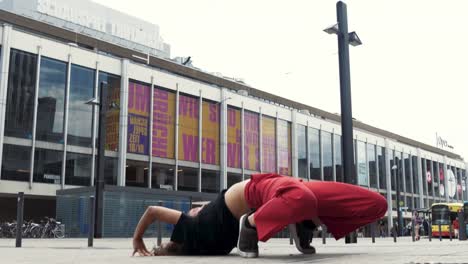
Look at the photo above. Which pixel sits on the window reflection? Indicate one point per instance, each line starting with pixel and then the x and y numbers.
pixel 210 181
pixel 16 163
pixel 187 179
pixel 48 166
pixel 314 154
pixel 78 169
pixel 302 151
pixel 50 108
pixel 162 176
pixel 20 94
pixel 338 158
pixel 372 165
pixel 80 114
pixel 327 156
pixel 382 167
pixel 362 165
pixel 136 174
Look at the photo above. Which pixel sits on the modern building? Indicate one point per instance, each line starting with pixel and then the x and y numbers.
pixel 177 128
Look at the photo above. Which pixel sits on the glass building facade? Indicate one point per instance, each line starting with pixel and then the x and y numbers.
pixel 166 131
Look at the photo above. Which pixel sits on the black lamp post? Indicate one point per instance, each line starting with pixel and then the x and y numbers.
pixel 396 170
pixel 99 179
pixel 344 40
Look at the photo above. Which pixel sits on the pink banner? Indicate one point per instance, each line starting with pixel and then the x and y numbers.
pixel 251 145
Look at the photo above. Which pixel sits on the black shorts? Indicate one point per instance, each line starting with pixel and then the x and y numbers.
pixel 214 231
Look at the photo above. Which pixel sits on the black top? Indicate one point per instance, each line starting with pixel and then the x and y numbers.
pixel 214 231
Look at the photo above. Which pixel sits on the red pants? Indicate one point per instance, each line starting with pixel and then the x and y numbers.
pixel 281 200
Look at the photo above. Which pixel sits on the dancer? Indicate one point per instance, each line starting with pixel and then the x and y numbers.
pixel 256 209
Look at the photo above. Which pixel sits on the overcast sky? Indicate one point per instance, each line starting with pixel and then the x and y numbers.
pixel 408 77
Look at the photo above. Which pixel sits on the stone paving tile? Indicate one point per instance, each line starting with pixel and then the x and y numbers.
pixel 117 251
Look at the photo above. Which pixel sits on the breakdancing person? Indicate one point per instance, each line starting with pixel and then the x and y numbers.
pixel 256 209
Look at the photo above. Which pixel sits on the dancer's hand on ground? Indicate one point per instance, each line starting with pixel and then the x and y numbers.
pixel 140 248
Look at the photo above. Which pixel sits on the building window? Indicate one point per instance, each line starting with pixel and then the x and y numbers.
pixel 302 151
pixel 338 155
pixel 78 169
pixel 80 114
pixel 327 156
pixel 51 98
pixel 210 133
pixel 414 161
pixel 20 94
pixel 162 176
pixel 113 113
pixel 268 144
pixel 252 143
pixel 382 167
pixel 284 147
pixel 16 163
pixel 48 166
pixel 164 115
pixel 392 169
pixel 435 177
pixel 372 165
pixel 136 174
pixel 188 128
pixel 210 181
pixel 423 176
pixel 233 178
pixel 314 154
pixel 234 137
pixel 110 170
pixel 138 118
pixel 429 176
pixel 406 161
pixel 187 179
pixel 362 164
pixel 399 171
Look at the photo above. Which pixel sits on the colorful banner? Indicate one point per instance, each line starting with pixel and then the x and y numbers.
pixel 188 128
pixel 113 118
pixel 210 133
pixel 284 147
pixel 268 144
pixel 163 124
pixel 251 145
pixel 138 118
pixel 234 134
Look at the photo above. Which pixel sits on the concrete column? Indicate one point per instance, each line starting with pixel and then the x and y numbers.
pixel 36 102
pixel 176 145
pixel 421 178
pixel 123 124
pixel 447 199
pixel 200 139
pixel 4 70
pixel 150 135
pixel 389 187
pixel 294 149
pixel 65 126
pixel 223 139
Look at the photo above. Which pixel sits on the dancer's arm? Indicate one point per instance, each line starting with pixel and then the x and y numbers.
pixel 152 214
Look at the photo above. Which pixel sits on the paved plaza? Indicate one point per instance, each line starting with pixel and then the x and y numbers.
pixel 118 251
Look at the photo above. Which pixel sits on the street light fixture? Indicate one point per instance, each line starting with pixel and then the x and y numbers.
pixel 344 40
pixel 99 181
pixel 395 169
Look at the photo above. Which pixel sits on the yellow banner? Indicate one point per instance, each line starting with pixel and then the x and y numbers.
pixel 251 145
pixel 210 133
pixel 234 138
pixel 188 128
pixel 163 124
pixel 268 144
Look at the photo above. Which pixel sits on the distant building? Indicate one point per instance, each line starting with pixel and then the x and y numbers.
pixel 87 17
